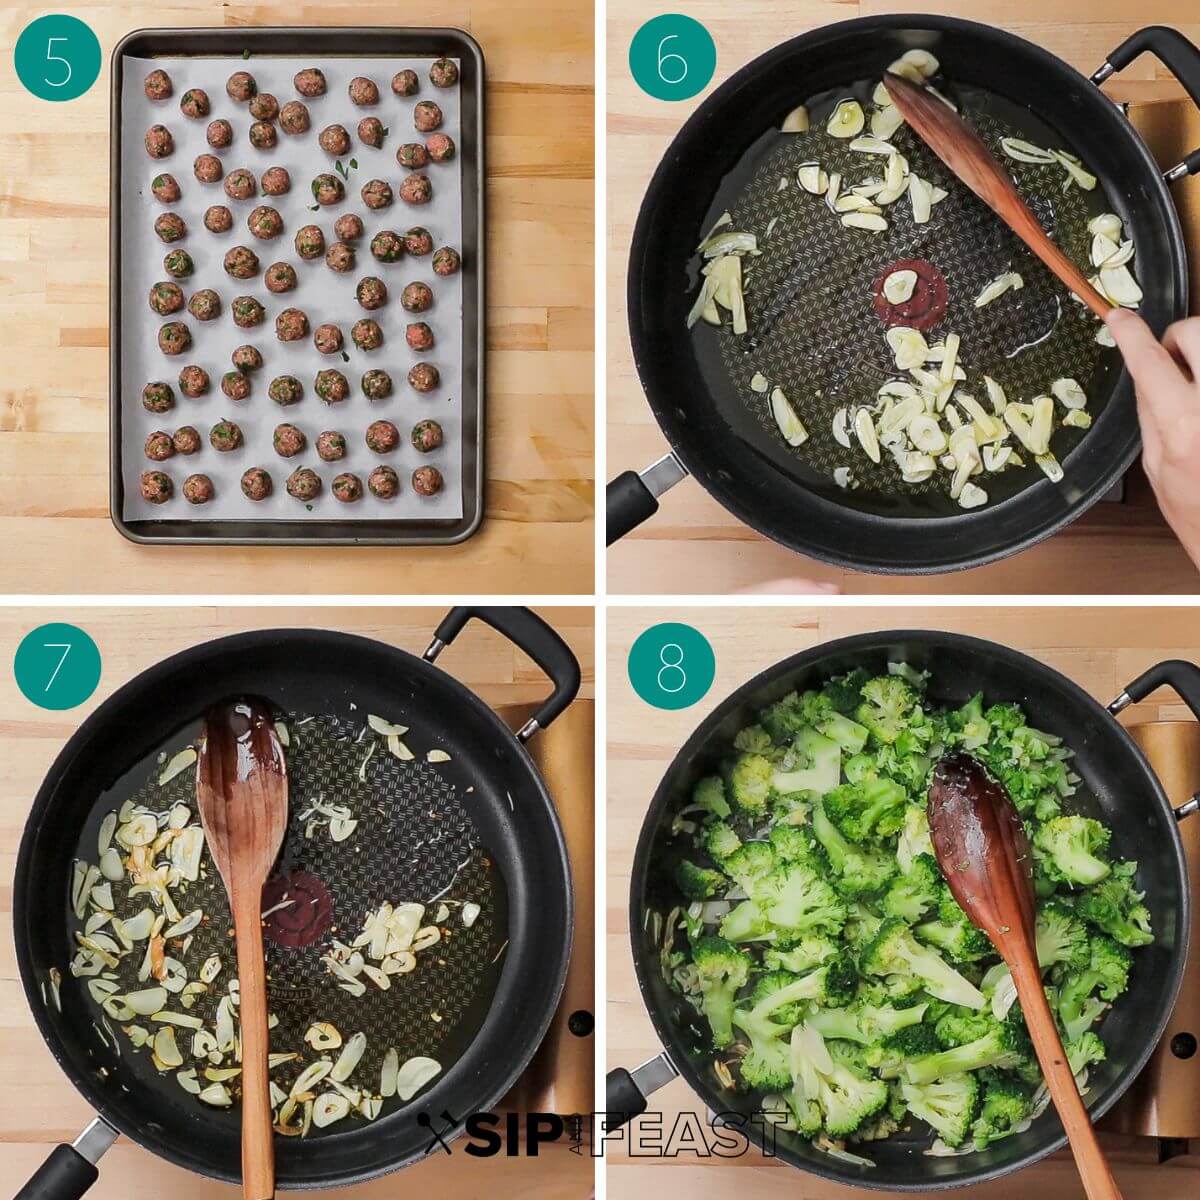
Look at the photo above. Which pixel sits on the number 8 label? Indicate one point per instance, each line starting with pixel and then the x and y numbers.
pixel 671 666
pixel 672 57
pixel 675 666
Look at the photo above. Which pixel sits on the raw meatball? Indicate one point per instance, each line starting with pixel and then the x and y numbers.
pixel 264 107
pixel 348 228
pixel 205 305
pixel 193 381
pixel 427 481
pixel 166 298
pixel 294 118
pixel 331 446
pixel 427 116
pixel 371 293
pixel 332 386
pixel 194 104
pixel 218 219
pixel 174 338
pixel 225 436
pixel 443 73
pixel 446 261
pixel 247 358
pixel 377 194
pixel 158 85
pixel 387 246
pixel 440 147
pixel 178 264
pixel 288 440
pixel 248 312
pixel 159 446
pixel 377 385
pixel 165 189
pixel 418 241
pixel 304 484
pixel 371 132
pixel 208 169
pixel 186 439
pixel 382 437
pixel 328 189
pixel 426 436
pixel 363 91
pixel 291 325
pixel 424 377
pixel 327 339
pixel 241 87
pixel 265 222
pixel 263 135
pixel 310 242
pixel 158 397
pixel 219 134
pixel 406 83
pixel 198 489
pixel 156 487
pixel 241 262
pixel 276 181
pixel 347 488
pixel 419 336
pixel 256 484
pixel 417 297
pixel 340 257
pixel 310 82
pixel 416 189
pixel 235 385
pixel 286 390
pixel 159 142
pixel 334 139
pixel 280 277
pixel 383 482
pixel 241 184
pixel 412 156
pixel 366 334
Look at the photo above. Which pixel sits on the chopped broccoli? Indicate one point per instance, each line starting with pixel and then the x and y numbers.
pixel 1005 1045
pixel 866 1023
pixel 721 840
pixel 1071 848
pixel 890 1053
pixel 698 883
pixel 1115 906
pixel 914 836
pixel 844 692
pixel 792 843
pixel 953 933
pixel 848 734
pixel 947 1104
pixel 749 863
pixel 972 726
pixel 754 739
pixel 709 795
pixel 894 951
pixel 797 900
pixel 824 758
pixel 767 1065
pixel 912 894
pixel 747 923
pixel 860 870
pixel 833 983
pixel 1060 938
pixel 887 702
pixel 750 784
pixel 721 970
pixel 1087 1048
pixel 809 951
pixel 1006 1103
pixel 846 1095
pixel 872 808
pixel 1105 977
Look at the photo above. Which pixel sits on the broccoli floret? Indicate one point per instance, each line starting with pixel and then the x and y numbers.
pixel 1087 1048
pixel 824 758
pixel 872 808
pixel 1005 1045
pixel 831 984
pixel 787 1013
pixel 792 843
pixel 809 951
pixel 912 894
pixel 894 951
pixel 890 1053
pixel 1071 848
pixel 957 1026
pixel 1006 1103
pixel 797 899
pixel 846 1095
pixel 698 883
pixel 914 836
pixel 1005 718
pixel 750 784
pixel 747 923
pixel 721 969
pixel 866 1024
pixel 973 727
pixel 721 841
pixel 767 1065
pixel 844 692
pixel 860 871
pixel 947 1104
pixel 749 863
pixel 1060 938
pixel 1105 976
pixel 754 739
pixel 953 933
pixel 709 794
pixel 1115 906
pixel 848 734
pixel 887 701
pixel 787 717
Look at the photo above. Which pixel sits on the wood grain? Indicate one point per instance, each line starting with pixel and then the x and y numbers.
pixel 1115 548
pixel 38 1107
pixel 1101 649
pixel 537 534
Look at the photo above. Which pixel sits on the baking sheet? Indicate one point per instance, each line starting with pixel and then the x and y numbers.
pixel 325 295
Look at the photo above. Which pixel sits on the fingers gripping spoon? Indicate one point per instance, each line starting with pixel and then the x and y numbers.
pixel 980 845
pixel 242 794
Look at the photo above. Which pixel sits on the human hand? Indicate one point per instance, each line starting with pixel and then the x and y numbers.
pixel 1167 378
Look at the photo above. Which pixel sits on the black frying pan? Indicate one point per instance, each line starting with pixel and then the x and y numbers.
pixel 1118 783
pixel 421 830
pixel 702 411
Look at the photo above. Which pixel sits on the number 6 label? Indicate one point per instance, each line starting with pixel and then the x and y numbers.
pixel 672 57
pixel 671 666
pixel 57 666
pixel 57 57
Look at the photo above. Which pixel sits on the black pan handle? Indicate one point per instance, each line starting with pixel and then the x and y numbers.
pixel 632 497
pixel 1184 678
pixel 1179 56
pixel 531 634
pixel 69 1171
pixel 625 1091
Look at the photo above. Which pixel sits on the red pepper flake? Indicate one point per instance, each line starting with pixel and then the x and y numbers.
pixel 924 308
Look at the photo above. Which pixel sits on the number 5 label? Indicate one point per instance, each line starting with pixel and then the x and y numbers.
pixel 57 666
pixel 57 57
pixel 671 666
pixel 672 57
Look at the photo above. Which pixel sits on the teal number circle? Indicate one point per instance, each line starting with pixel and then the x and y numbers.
pixel 671 665
pixel 57 666
pixel 57 57
pixel 672 57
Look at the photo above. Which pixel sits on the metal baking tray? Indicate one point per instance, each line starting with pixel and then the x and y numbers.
pixel 324 43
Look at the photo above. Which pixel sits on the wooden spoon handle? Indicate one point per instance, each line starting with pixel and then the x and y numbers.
pixel 258 1145
pixel 1097 1179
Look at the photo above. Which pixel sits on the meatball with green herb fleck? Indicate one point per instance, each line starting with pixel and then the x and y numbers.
pixel 366 334
pixel 294 118
pixel 263 136
pixel 332 386
pixel 205 305
pixel 416 189
pixel 347 488
pixel 371 132
pixel 310 242
pixel 310 82
pixel 264 107
pixel 159 446
pixel 363 91
pixel 304 484
pixel 218 219
pixel 412 156
pixel 334 139
pixel 377 194
pixel 165 189
pixel 166 298
pixel 158 397
pixel 178 264
pixel 383 483
pixel 418 241
pixel 265 223
pixel 387 246
pixel 193 381
pixel 159 142
pixel 288 440
pixel 241 263
pixel 427 116
pixel 427 481
pixel 156 487
pixel 406 83
pixel 248 312
pixel 340 257
pixel 424 377
pixel 441 147
pixel 280 277
pixel 327 339
pixel 225 436
pixel 446 261
pixel 174 338
pixel 426 436
pixel 286 390
pixel 382 437
pixel 158 85
pixel 198 489
pixel 417 297
pixel 247 358
pixel 240 86
pixel 377 385
pixel 219 134
pixel 291 325
pixel 331 446
pixel 419 336
pixel 186 439
pixel 348 227
pixel 195 104
pixel 208 169
pixel 443 73
pixel 371 293
pixel 256 484
pixel 236 385
pixel 328 189
pixel 241 184
pixel 276 181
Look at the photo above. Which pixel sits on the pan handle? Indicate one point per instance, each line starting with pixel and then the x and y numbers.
pixel 1179 56
pixel 69 1171
pixel 625 1091
pixel 632 497
pixel 528 631
pixel 1184 678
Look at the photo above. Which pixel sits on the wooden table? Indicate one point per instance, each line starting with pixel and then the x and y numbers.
pixel 537 533
pixel 1101 649
pixel 38 1106
pixel 1124 547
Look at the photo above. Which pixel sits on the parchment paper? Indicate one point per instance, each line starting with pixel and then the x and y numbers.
pixel 325 295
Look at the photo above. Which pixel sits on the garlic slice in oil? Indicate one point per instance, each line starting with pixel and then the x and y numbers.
pixel 846 120
pixel 790 425
pixel 1009 281
pixel 1069 393
pixel 871 222
pixel 864 428
pixel 899 286
pixel 796 121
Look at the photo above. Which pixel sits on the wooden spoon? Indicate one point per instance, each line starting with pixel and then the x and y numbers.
pixel 981 847
pixel 964 152
pixel 242 794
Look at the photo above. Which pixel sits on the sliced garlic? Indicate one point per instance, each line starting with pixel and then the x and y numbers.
pixel 180 762
pixel 846 120
pixel 915 467
pixel 1122 255
pixel 812 178
pixel 899 286
pixel 1078 418
pixel 840 434
pixel 1026 152
pixel 470 913
pixel 972 496
pixel 995 458
pixel 851 202
pixel 414 1075
pixel 833 190
pixel 1042 423
pixel 796 121
pixel 871 145
pixel 146 1002
pixel 871 222
pixel 1104 337
pixel 790 425
pixel 1119 285
pixel 188 1081
pixel 217 1095
pixel 1009 281
pixel 166 1052
pixel 926 434
pixel 340 828
pixel 908 346
pixel 328 1108
pixel 1103 248
pixel 864 428
pixel 1075 169
pixel 1051 467
pixel 996 397
pixel 1108 224
pixel 312 1074
pixel 885 121
pixel 842 477
pixel 388 1072
pixel 107 829
pixel 321 1035
pixel 920 196
pixel 946 373
pixel 922 60
pixel 386 728
pixel 1069 392
pixel 348 1059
